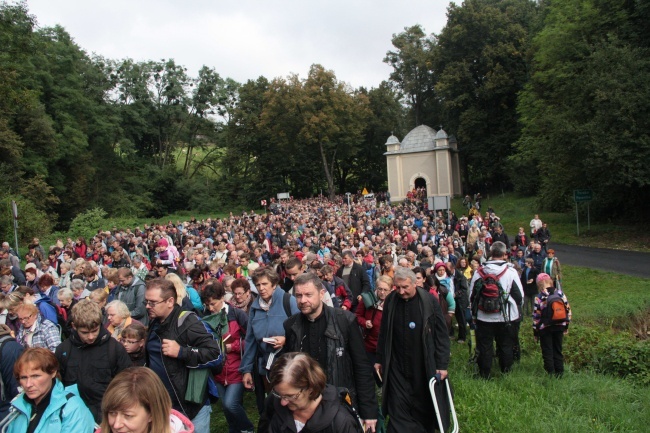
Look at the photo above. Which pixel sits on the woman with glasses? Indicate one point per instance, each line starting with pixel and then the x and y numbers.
pixel 34 331
pixel 133 339
pixel 303 401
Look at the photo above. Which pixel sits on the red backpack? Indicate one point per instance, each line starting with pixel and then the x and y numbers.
pixel 488 295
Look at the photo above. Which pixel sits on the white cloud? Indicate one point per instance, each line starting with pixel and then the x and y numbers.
pixel 246 38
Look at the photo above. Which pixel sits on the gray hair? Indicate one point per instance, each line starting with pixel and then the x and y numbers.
pixel 308 277
pixel 65 293
pixel 404 274
pixel 498 249
pixel 121 308
pixel 7 279
pixel 77 285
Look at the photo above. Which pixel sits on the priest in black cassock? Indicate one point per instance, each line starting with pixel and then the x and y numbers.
pixel 413 347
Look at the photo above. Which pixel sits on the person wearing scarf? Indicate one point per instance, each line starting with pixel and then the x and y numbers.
pixel 551 266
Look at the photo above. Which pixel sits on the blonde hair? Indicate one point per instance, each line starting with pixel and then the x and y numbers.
pixel 181 291
pixel 138 385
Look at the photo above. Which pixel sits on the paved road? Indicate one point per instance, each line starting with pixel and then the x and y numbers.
pixel 624 262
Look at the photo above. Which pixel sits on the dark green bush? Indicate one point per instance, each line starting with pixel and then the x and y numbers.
pixel 607 352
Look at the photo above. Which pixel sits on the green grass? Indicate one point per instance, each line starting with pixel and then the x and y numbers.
pixel 527 399
pixel 516 211
pixel 605 298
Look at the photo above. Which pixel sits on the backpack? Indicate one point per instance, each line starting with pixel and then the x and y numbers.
pixel 346 401
pixel 488 294
pixel 61 314
pixel 215 366
pixel 286 303
pixel 555 312
pixel 3 340
pixel 443 291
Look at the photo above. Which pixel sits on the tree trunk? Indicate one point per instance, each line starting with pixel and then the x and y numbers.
pixel 328 173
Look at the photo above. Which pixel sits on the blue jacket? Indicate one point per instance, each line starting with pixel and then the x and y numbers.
pixel 262 324
pixel 75 416
pixel 47 310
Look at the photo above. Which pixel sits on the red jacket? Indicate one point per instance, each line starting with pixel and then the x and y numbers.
pixel 370 336
pixel 237 323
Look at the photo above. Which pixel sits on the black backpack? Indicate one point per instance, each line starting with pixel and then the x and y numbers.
pixel 346 401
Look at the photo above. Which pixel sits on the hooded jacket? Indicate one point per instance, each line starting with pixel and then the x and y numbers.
pixel 63 414
pixel 511 285
pixel 91 366
pixel 330 416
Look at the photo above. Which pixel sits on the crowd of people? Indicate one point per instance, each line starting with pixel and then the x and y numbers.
pixel 293 305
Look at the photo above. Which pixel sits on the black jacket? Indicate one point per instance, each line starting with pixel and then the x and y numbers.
pixel 359 281
pixel 461 290
pixel 330 416
pixel 348 365
pixel 197 348
pixel 435 338
pixel 9 354
pixel 91 366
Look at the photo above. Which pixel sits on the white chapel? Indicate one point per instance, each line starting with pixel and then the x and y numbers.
pixel 425 158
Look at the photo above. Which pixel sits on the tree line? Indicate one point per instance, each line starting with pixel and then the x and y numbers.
pixel 543 97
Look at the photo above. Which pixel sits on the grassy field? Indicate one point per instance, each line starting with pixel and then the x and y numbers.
pixel 516 211
pixel 526 399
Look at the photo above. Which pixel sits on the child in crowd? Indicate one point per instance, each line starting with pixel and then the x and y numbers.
pixel 551 318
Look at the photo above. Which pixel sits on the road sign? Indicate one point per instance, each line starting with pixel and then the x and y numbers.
pixel 582 195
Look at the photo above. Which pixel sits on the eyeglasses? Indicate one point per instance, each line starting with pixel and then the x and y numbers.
pixel 293 397
pixel 24 319
pixel 152 304
pixel 123 341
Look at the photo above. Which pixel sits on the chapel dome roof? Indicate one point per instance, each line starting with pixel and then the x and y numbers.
pixel 441 134
pixel 392 140
pixel 419 139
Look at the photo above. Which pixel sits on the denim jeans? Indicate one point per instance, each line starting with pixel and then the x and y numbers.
pixel 202 419
pixel 232 401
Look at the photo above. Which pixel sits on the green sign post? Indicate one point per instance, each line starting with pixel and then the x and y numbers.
pixel 582 196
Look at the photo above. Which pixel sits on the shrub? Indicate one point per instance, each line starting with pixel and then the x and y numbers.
pixel 87 223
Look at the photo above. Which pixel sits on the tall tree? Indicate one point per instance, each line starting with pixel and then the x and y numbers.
pixel 481 56
pixel 584 109
pixel 388 116
pixel 413 69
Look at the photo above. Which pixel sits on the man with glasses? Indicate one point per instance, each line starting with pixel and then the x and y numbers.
pixel 177 343
pixel 90 358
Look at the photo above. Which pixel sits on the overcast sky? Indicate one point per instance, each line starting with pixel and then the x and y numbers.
pixel 243 39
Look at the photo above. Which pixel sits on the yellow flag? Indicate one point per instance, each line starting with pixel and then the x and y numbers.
pixel 364 192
